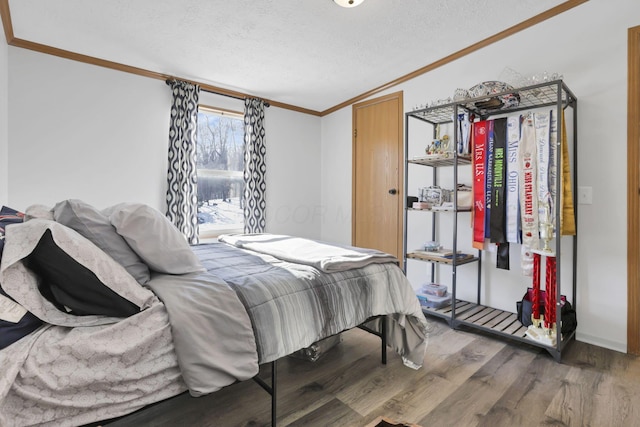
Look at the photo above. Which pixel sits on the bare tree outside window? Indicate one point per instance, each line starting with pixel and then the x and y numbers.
pixel 220 161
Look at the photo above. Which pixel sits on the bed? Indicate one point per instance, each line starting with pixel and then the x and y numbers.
pixel 113 328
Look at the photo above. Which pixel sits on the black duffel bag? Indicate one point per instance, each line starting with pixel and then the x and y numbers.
pixel 524 310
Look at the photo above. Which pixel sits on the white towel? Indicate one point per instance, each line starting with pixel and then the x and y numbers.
pixel 323 256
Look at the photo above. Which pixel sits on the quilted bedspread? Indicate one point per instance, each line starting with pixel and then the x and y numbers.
pixel 79 369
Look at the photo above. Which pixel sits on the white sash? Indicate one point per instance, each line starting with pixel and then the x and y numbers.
pixel 526 260
pixel 541 121
pixel 553 166
pixel 527 159
pixel 512 210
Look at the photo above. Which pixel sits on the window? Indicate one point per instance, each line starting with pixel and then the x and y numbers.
pixel 220 161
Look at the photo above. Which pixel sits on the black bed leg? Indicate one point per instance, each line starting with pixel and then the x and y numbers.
pixel 273 393
pixel 383 332
pixel 271 389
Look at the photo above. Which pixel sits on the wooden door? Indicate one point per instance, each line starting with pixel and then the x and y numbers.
pixel 377 174
pixel 633 193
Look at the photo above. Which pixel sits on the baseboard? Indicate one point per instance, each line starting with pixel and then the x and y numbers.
pixel 611 345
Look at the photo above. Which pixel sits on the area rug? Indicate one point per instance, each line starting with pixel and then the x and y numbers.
pixel 387 422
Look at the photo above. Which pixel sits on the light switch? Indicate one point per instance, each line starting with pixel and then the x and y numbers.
pixel 585 195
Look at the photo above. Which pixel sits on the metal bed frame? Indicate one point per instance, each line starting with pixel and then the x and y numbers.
pixel 272 389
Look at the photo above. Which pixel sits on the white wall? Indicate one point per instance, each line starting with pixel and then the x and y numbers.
pixel 293 173
pixel 86 132
pixel 336 176
pixel 4 121
pixel 81 131
pixel 588 46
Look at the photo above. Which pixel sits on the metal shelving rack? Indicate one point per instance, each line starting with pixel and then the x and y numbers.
pixel 474 314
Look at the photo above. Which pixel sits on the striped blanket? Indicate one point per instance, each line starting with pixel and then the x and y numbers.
pixel 292 305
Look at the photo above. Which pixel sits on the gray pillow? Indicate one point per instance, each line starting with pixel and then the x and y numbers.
pixel 154 238
pixel 38 211
pixel 96 227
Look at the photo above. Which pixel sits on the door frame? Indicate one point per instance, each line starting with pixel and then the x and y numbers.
pixel 633 192
pixel 400 203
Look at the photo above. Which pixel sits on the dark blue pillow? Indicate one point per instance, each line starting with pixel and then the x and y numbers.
pixel 8 216
pixel 11 332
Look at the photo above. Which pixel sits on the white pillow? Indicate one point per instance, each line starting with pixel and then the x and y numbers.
pixel 154 238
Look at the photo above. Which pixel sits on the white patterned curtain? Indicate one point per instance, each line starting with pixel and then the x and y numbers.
pixel 182 191
pixel 254 166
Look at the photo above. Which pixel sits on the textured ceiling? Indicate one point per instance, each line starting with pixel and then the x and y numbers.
pixel 309 53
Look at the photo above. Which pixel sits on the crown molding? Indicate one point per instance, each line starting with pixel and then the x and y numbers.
pixel 25 44
pixel 547 14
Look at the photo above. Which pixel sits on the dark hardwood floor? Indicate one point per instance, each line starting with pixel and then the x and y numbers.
pixel 468 379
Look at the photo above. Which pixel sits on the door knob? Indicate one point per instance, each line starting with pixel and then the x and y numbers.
pixel 393 191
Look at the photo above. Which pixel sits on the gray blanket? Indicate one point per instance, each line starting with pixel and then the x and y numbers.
pixel 293 305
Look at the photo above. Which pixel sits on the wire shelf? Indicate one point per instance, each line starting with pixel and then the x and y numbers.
pixel 534 96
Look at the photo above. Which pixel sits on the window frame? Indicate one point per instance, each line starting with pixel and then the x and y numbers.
pixel 213 234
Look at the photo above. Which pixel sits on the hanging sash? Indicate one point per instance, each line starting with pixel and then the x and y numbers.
pixel 498 193
pixel 479 153
pixel 464 131
pixel 568 220
pixel 526 260
pixel 497 231
pixel 512 211
pixel 528 188
pixel 553 166
pixel 502 259
pixel 541 122
pixel 488 179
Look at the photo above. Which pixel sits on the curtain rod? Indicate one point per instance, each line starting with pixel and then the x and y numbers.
pixel 266 103
pixel 235 95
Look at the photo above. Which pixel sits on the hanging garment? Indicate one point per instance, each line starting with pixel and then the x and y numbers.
pixel 513 210
pixel 464 133
pixel 502 257
pixel 498 191
pixel 568 219
pixel 528 187
pixel 488 179
pixel 498 194
pixel 541 122
pixel 479 130
pixel 526 260
pixel 553 165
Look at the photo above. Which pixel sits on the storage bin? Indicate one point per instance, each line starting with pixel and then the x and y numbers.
pixel 432 301
pixel 434 289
